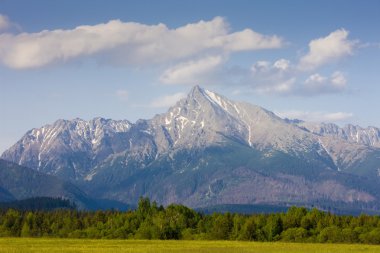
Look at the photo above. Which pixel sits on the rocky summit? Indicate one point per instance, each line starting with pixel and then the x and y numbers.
pixel 207 150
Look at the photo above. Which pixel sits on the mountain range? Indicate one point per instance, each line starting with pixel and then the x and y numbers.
pixel 207 150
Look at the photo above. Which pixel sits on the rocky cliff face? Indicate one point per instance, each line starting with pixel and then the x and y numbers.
pixel 69 148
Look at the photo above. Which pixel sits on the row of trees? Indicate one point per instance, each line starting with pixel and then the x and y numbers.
pixel 38 203
pixel 150 221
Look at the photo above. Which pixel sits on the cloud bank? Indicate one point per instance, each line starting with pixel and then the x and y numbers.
pixel 129 43
pixel 196 53
pixel 280 77
pixel 302 78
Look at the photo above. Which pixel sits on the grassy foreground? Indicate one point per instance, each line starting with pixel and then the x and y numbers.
pixel 20 245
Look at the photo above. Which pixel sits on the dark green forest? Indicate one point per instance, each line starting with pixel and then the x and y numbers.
pixel 150 221
pixel 38 203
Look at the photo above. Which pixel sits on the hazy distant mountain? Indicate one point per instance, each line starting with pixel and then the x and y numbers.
pixel 353 149
pixel 20 183
pixel 5 196
pixel 369 136
pixel 208 150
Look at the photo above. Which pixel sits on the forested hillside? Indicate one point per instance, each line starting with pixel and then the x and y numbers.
pixel 150 221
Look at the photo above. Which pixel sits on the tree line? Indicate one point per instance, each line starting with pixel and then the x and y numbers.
pixel 150 221
pixel 38 203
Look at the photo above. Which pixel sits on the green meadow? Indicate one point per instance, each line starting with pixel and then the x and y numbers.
pixel 43 245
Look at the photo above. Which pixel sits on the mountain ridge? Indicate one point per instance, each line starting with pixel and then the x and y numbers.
pixel 207 149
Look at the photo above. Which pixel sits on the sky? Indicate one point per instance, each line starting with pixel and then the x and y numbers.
pixel 311 60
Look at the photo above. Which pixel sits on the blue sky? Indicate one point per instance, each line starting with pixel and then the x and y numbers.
pixel 314 60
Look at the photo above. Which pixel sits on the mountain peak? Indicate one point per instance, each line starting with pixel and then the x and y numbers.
pixel 196 91
pixel 197 88
pixel 200 94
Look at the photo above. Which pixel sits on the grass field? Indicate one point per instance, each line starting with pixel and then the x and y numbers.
pixel 13 245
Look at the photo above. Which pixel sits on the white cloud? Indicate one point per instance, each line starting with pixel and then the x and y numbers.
pixel 122 94
pixel 261 66
pixel 315 78
pixel 4 23
pixel 248 40
pixel 284 87
pixel 272 78
pixel 283 78
pixel 129 43
pixel 316 116
pixel 191 72
pixel 167 101
pixel 324 50
pixel 318 84
pixel 282 64
pixel 338 79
